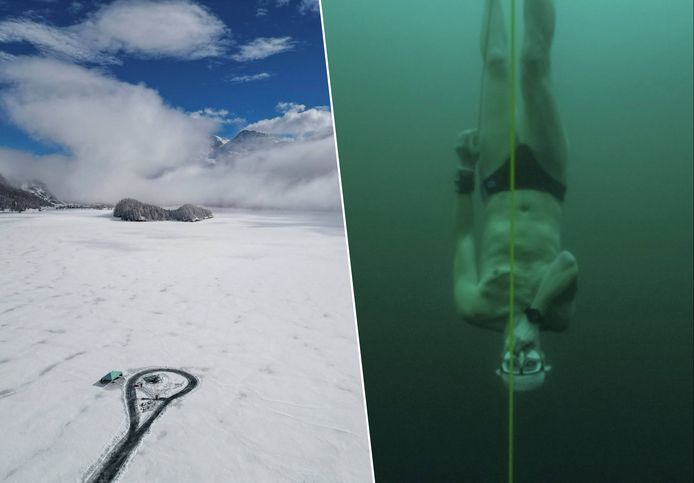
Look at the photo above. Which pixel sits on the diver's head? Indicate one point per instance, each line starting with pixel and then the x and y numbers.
pixel 528 368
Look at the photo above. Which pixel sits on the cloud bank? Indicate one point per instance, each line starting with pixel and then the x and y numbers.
pixel 123 140
pixel 297 122
pixel 175 28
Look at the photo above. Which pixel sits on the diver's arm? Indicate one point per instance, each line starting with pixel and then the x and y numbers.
pixel 561 274
pixel 465 254
pixel 465 262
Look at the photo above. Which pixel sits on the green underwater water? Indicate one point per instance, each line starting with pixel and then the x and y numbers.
pixel 618 404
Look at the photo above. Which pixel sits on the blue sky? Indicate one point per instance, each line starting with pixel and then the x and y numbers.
pixel 106 100
pixel 247 89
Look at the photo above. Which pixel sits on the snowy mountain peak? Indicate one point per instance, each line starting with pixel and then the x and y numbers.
pixel 219 141
pixel 245 141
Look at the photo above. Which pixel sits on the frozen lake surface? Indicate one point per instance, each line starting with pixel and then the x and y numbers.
pixel 257 305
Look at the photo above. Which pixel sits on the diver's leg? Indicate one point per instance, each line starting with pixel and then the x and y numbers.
pixel 542 128
pixel 494 116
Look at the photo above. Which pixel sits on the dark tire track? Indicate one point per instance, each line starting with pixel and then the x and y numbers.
pixel 121 451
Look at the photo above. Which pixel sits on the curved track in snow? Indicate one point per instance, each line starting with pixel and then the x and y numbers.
pixel 115 460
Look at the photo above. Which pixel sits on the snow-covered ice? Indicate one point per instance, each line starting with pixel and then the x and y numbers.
pixel 257 305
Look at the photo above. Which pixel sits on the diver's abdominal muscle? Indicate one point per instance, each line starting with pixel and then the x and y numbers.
pixel 536 231
pixel 533 242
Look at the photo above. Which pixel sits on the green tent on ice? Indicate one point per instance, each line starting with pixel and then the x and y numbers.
pixel 111 376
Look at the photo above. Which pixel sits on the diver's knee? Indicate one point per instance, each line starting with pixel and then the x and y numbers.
pixel 567 261
pixel 497 62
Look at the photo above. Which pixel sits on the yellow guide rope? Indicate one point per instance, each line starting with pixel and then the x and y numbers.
pixel 512 212
pixel 512 234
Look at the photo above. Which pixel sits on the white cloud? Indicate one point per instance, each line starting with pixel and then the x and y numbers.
pixel 303 6
pixel 64 43
pixel 309 6
pixel 172 28
pixel 261 12
pixel 122 140
pixel 76 6
pixel 221 116
pixel 289 107
pixel 263 47
pixel 5 57
pixel 297 122
pixel 19 166
pixel 239 79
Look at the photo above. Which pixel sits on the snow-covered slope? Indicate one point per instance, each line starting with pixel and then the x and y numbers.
pixel 255 305
pixel 13 198
pixel 40 190
pixel 35 195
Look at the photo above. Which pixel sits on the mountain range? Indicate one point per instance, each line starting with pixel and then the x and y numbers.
pixel 245 141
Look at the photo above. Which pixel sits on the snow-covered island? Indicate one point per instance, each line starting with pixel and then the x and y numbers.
pixel 129 209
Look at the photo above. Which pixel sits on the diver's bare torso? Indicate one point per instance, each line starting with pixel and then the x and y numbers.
pixel 537 244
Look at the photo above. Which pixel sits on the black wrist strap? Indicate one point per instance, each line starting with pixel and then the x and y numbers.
pixel 465 181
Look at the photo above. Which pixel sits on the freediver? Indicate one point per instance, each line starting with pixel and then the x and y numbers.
pixel 545 275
